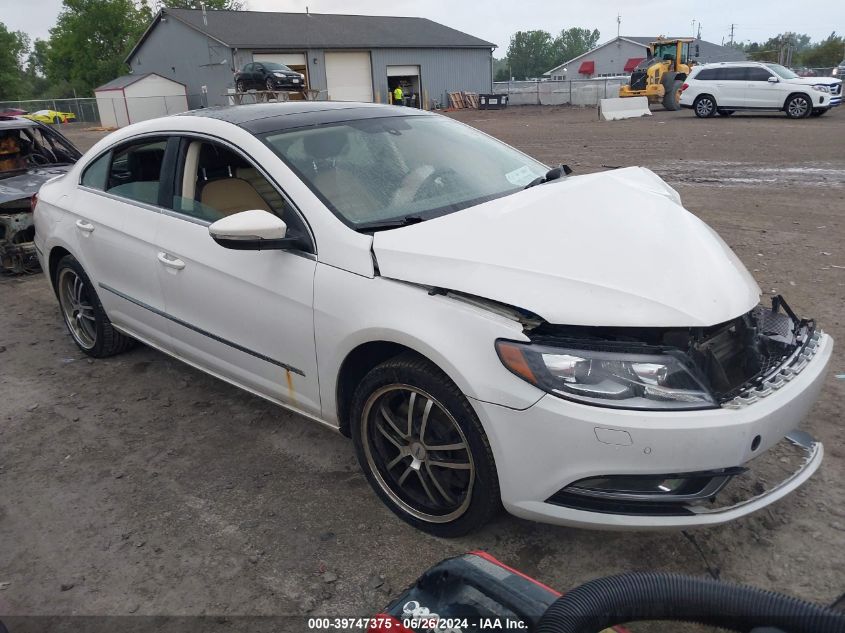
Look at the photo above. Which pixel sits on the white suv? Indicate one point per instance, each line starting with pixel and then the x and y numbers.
pixel 727 87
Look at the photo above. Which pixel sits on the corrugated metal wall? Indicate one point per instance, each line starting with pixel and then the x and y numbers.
pixel 180 53
pixel 442 70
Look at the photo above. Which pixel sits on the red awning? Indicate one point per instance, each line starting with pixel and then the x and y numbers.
pixel 587 68
pixel 633 63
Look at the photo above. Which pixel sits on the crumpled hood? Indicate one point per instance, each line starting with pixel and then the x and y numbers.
pixel 611 249
pixel 25 184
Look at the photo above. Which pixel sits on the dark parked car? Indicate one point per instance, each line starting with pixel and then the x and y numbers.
pixel 31 153
pixel 268 76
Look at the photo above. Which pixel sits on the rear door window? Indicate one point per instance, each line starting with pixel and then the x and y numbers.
pixel 733 73
pixel 135 171
pixel 708 74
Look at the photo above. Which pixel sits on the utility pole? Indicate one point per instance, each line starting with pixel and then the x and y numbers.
pixel 699 31
pixel 732 34
pixel 618 24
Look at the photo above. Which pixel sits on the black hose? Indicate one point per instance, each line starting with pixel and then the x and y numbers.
pixel 633 597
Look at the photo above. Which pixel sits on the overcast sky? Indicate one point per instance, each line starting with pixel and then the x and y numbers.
pixel 496 20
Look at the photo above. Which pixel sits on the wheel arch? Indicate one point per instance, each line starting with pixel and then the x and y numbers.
pixel 795 94
pixel 357 363
pixel 54 257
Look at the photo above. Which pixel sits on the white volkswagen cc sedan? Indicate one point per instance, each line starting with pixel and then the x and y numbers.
pixel 579 349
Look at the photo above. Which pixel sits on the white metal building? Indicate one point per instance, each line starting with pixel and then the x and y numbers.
pixel 132 98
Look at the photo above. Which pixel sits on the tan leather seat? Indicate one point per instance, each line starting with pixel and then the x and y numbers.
pixel 232 195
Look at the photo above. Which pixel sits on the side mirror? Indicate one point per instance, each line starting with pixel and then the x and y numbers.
pixel 773 80
pixel 252 231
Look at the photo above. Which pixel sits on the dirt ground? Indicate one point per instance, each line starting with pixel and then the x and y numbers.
pixel 137 485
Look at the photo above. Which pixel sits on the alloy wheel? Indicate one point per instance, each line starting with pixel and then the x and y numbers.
pixel 77 308
pixel 418 453
pixel 704 107
pixel 240 87
pixel 798 107
pixel 270 85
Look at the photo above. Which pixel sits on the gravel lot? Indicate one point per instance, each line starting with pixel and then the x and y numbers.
pixel 136 485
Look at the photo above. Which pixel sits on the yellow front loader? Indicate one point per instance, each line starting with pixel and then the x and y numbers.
pixel 661 75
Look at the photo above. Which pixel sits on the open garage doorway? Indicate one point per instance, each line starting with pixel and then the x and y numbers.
pixel 294 61
pixel 408 78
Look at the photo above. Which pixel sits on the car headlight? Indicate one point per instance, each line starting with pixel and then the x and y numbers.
pixel 821 88
pixel 650 379
pixel 279 74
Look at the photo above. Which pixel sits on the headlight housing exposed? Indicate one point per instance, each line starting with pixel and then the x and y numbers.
pixel 647 380
pixel 821 88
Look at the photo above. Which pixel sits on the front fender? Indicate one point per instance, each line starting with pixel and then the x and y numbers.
pixel 350 310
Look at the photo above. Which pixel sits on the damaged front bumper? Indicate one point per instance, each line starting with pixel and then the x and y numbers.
pixel 547 453
pixel 17 248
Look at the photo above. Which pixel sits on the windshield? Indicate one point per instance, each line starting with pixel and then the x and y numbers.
pixel 275 66
pixel 784 72
pixel 373 170
pixel 665 51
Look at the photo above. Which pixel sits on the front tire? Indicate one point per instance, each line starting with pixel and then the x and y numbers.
pixel 83 314
pixel 671 92
pixel 240 86
pixel 422 448
pixel 704 106
pixel 271 87
pixel 798 107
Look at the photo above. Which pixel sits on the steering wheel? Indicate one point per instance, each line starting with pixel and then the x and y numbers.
pixel 39 159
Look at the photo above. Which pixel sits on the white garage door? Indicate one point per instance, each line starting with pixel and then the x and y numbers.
pixel 288 59
pixel 349 76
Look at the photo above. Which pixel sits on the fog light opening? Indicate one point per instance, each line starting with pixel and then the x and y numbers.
pixel 755 443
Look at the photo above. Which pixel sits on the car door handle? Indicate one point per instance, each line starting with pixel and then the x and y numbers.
pixel 85 227
pixel 170 261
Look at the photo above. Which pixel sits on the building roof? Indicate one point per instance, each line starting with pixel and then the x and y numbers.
pixel 276 30
pixel 121 82
pixel 708 51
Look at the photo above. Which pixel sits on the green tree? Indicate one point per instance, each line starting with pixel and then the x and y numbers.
pixel 230 5
pixel 13 48
pixel 35 72
pixel 573 42
pixel 530 53
pixel 89 43
pixel 828 52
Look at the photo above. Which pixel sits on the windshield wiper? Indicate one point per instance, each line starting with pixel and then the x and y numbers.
pixel 553 174
pixel 382 225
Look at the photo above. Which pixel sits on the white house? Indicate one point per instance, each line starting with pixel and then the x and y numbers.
pixel 132 98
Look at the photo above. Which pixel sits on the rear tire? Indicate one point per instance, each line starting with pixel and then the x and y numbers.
pixel 671 92
pixel 422 448
pixel 704 106
pixel 726 112
pixel 798 106
pixel 83 314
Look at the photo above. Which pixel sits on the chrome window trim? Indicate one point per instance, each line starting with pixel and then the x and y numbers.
pixel 181 216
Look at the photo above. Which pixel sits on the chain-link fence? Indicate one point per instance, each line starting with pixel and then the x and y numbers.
pixel 585 92
pixel 85 108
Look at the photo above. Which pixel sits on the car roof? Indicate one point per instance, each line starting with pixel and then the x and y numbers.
pixel 740 63
pixel 15 123
pixel 258 118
